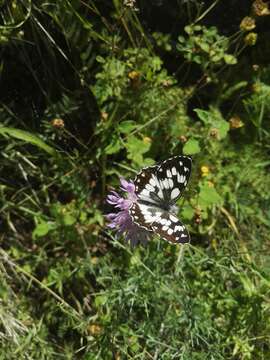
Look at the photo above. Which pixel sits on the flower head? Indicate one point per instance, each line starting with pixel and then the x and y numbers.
pixel 121 220
pixel 247 23
pixel 251 39
pixel 205 170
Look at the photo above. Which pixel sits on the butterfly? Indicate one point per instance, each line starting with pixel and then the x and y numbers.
pixel 158 188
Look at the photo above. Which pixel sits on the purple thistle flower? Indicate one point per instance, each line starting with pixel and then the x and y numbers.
pixel 121 220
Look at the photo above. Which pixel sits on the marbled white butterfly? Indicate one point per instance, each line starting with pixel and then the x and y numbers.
pixel 158 188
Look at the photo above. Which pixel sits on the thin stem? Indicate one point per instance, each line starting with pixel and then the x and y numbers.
pixel 39 283
pixel 179 258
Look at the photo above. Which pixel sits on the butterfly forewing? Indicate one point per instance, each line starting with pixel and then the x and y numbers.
pixel 173 175
pixel 147 186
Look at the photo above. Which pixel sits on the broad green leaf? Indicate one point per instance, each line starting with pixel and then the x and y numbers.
pixel 223 127
pixel 203 115
pixel 213 119
pixel 208 196
pixel 68 219
pixel 136 148
pixel 27 137
pixel 101 300
pixel 114 146
pixel 230 59
pixel 187 212
pixel 127 126
pixel 42 229
pixel 191 147
pixel 148 162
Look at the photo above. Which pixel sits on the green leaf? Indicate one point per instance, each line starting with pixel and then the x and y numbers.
pixel 230 59
pixel 27 137
pixel 203 115
pixel 187 212
pixel 213 119
pixel 114 146
pixel 68 219
pixel 101 300
pixel 208 196
pixel 223 127
pixel 136 148
pixel 148 162
pixel 42 229
pixel 127 126
pixel 191 147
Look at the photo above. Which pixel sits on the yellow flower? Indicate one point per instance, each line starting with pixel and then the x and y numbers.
pixel 147 140
pixel 94 260
pixel 133 75
pixel 247 24
pixel 205 170
pixel 251 39
pixel 58 123
pixel 94 329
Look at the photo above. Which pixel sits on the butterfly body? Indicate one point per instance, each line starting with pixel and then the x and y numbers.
pixel 158 188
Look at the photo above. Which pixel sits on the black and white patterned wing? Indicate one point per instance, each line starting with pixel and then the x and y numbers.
pixel 173 175
pixel 161 222
pixel 147 186
pixel 170 228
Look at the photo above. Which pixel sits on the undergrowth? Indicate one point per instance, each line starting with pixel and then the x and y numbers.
pixel 91 91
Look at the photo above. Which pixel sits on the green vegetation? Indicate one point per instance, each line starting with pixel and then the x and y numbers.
pixel 94 90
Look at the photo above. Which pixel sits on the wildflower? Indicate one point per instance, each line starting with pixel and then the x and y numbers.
pixel 205 170
pixel 131 4
pixel 251 39
pixel 183 139
pixel 94 260
pixel 167 83
pixel 133 75
pixel 147 140
pixel 121 220
pixel 236 122
pixel 214 133
pixel 94 329
pixel 58 123
pixel 247 24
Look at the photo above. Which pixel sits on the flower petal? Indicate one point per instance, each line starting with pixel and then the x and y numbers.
pixel 127 186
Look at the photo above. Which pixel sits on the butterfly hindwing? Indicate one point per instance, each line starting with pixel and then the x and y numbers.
pixel 170 228
pixel 143 215
pixel 163 223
